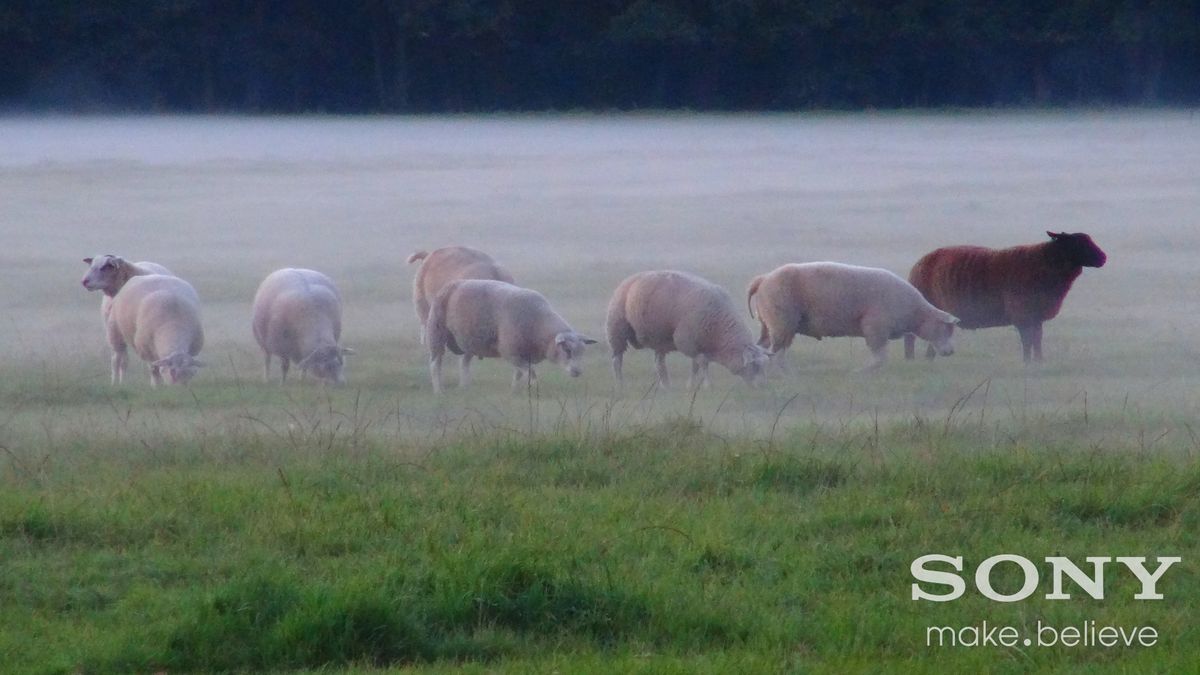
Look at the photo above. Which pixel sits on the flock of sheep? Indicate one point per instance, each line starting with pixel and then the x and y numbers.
pixel 468 304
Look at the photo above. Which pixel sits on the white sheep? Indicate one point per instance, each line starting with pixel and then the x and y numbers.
pixel 670 311
pixel 108 273
pixel 298 317
pixel 159 316
pixel 447 264
pixel 488 318
pixel 827 299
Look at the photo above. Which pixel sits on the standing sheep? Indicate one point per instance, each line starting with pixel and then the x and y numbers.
pixel 447 264
pixel 108 273
pixel 159 316
pixel 1022 286
pixel 827 299
pixel 489 318
pixel 298 317
pixel 670 311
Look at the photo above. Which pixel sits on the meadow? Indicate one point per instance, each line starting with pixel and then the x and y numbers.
pixel 235 525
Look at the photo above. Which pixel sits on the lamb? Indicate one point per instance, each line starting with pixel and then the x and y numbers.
pixel 828 299
pixel 1022 286
pixel 298 317
pixel 448 264
pixel 670 311
pixel 108 273
pixel 489 318
pixel 159 315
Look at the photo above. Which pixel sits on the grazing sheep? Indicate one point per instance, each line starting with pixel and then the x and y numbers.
pixel 447 264
pixel 298 317
pixel 108 273
pixel 489 318
pixel 159 316
pixel 670 311
pixel 827 299
pixel 1022 286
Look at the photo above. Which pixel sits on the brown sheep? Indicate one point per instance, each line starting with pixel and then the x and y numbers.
pixel 1022 286
pixel 447 264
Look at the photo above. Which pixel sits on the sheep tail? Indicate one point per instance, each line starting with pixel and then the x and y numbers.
pixel 754 284
pixel 419 255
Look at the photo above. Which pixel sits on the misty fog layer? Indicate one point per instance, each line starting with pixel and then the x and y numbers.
pixel 573 204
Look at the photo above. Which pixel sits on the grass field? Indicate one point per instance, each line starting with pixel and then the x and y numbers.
pixel 240 526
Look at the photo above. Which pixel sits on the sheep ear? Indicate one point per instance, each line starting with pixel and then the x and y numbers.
pixel 587 340
pixel 346 351
pixel 560 338
pixel 87 261
pixel 1055 235
pixel 951 319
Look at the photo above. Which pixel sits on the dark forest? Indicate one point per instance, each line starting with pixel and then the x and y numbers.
pixel 422 56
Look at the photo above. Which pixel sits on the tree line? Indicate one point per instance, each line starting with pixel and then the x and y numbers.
pixel 495 55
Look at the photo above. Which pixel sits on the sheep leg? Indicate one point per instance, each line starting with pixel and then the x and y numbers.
pixel 910 346
pixel 1037 343
pixel 618 360
pixel 423 309
pixel 435 371
pixel 699 372
pixel 660 366
pixel 930 352
pixel 525 372
pixel 877 343
pixel 764 337
pixel 155 376
pixel 267 367
pixel 284 365
pixel 1031 341
pixel 779 354
pixel 780 358
pixel 464 370
pixel 119 359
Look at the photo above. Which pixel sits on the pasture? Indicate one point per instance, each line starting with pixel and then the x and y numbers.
pixel 236 525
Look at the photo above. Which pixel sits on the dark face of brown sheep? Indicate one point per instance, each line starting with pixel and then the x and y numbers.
pixel 1078 249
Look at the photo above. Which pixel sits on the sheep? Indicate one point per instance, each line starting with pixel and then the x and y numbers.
pixel 297 316
pixel 108 273
pixel 670 311
pixel 828 299
pixel 489 318
pixel 1021 286
pixel 159 316
pixel 448 264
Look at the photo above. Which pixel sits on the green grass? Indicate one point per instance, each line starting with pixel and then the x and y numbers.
pixel 662 547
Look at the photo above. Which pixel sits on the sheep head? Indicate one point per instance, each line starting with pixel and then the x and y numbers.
pixel 1078 249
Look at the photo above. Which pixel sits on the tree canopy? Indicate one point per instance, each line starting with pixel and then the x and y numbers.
pixel 496 55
